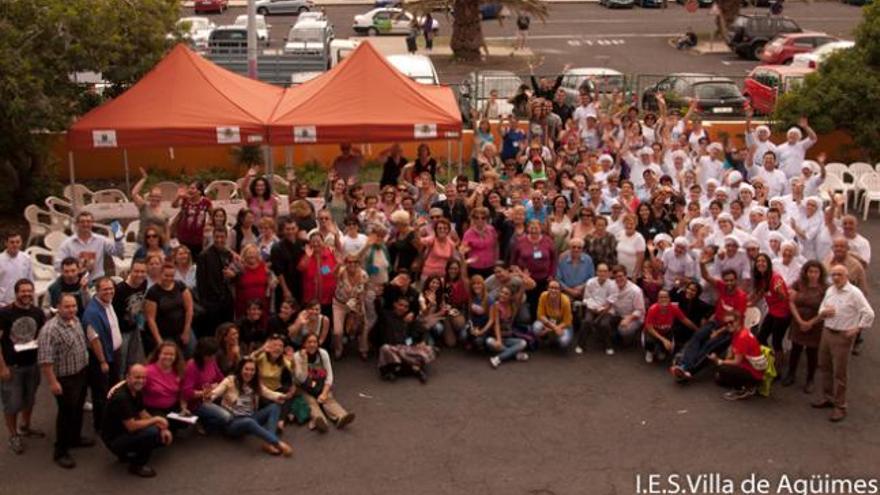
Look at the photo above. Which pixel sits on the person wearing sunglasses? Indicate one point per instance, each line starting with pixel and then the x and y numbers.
pixel 742 370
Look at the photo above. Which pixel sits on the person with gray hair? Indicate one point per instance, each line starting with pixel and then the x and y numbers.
pixel 847 313
pixel 791 153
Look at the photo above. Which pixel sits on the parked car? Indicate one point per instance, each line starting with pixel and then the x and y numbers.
pixel 617 4
pixel 263 33
pixel 315 16
pixel 700 3
pixel 651 3
pixel 228 40
pixel 419 68
pixel 783 48
pixel 207 6
pixel 748 34
pixel 493 11
pixel 196 30
pixel 269 7
pixel 594 79
pixel 766 82
pixel 815 58
pixel 473 91
pixel 310 39
pixel 716 96
pixel 386 20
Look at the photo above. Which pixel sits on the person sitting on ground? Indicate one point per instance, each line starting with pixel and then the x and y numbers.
pixel 404 351
pixel 128 430
pixel 687 40
pixel 230 353
pixel 555 322
pixel 314 373
pixel 597 318
pixel 502 321
pixel 200 376
pixel 161 393
pixel 275 367
pixel 628 306
pixel 658 337
pixel 239 394
pixel 743 368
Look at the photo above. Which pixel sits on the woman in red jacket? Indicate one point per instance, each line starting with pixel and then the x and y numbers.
pixel 253 283
pixel 317 268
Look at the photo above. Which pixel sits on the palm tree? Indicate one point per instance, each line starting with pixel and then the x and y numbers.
pixel 467 29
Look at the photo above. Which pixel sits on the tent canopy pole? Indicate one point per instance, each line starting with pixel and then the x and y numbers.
pixel 73 199
pixel 127 173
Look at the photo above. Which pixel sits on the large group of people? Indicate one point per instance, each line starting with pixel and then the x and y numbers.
pixel 595 227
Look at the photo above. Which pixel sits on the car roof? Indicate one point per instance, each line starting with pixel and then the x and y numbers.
pixel 761 16
pixel 786 70
pixel 593 71
pixel 412 61
pixel 193 18
pixel 311 23
pixel 230 27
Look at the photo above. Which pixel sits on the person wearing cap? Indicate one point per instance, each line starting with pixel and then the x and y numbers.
pixel 678 265
pixel 638 165
pixel 711 165
pixel 724 227
pixel 847 313
pixel 813 175
pixel 792 152
pixel 758 141
pixel 807 225
pixel 731 257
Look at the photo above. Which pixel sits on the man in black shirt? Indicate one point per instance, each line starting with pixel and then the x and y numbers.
pixel 214 285
pixel 20 322
pixel 454 207
pixel 128 302
pixel 72 281
pixel 284 257
pixel 128 429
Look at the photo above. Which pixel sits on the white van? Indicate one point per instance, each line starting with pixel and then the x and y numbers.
pixel 419 68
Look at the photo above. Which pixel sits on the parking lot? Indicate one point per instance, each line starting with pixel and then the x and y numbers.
pixel 633 41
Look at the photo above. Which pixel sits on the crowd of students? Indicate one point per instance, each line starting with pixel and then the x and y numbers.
pixel 596 227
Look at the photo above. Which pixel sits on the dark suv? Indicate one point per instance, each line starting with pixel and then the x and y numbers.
pixel 749 33
pixel 716 96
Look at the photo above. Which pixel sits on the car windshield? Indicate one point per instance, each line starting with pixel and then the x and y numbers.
pixel 304 35
pixel 715 90
pixel 603 83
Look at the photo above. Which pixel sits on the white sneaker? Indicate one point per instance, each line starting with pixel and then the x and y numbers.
pixel 609 352
pixel 649 357
pixel 495 361
pixel 87 406
pixel 522 356
pixel 578 350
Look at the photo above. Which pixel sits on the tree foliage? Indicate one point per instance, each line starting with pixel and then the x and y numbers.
pixel 845 92
pixel 43 42
pixel 467 30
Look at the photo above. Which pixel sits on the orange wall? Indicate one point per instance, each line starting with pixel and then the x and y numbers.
pixel 108 163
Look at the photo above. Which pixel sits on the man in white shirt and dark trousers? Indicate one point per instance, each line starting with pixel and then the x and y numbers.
pixel 14 266
pixel 846 312
pixel 101 318
pixel 598 315
pixel 88 248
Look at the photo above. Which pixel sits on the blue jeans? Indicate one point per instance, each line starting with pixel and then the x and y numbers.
pixel 510 346
pixel 261 424
pixel 214 417
pixel 563 341
pixel 693 356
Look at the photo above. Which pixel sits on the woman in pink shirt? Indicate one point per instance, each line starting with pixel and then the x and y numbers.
pixel 162 388
pixel 438 250
pixel 480 244
pixel 258 194
pixel 200 377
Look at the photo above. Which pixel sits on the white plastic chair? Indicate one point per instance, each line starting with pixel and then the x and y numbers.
pixel 53 240
pixel 836 168
pixel 222 190
pixel 833 184
pixel 870 184
pixel 81 193
pixel 109 196
pixel 168 190
pixel 42 261
pixel 39 221
pixel 130 239
pixel 752 317
pixel 61 211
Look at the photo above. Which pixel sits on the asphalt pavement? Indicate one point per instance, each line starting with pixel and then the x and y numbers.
pixel 558 424
pixel 633 41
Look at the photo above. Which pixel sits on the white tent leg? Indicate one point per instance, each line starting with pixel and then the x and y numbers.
pixel 127 174
pixel 72 183
pixel 460 151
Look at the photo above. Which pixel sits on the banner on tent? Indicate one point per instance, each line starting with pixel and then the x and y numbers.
pixel 104 139
pixel 228 135
pixel 425 131
pixel 305 134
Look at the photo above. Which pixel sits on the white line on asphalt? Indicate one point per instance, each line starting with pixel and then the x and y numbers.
pixel 654 21
pixel 584 36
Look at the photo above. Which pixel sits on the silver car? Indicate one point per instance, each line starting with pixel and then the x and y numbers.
pixel 268 7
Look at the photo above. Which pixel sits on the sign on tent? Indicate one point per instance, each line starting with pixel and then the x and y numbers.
pixel 228 135
pixel 305 134
pixel 104 139
pixel 425 131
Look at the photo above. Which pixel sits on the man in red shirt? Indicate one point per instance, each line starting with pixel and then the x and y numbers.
pixel 712 339
pixel 743 369
pixel 658 327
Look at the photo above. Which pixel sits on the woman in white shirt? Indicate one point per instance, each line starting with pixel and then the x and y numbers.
pixel 353 242
pixel 630 247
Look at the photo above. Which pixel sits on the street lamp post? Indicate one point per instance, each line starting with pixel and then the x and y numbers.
pixel 252 39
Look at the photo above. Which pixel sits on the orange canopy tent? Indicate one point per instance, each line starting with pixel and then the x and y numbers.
pixel 364 99
pixel 184 100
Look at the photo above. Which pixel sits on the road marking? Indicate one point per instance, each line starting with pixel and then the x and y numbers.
pixel 584 37
pixel 574 42
pixel 653 21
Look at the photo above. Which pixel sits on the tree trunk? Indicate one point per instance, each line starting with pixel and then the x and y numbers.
pixel 467 30
pixel 729 10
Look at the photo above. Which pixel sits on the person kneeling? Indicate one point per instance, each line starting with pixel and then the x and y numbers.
pixel 128 430
pixel 240 395
pixel 554 324
pixel 743 369
pixel 404 351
